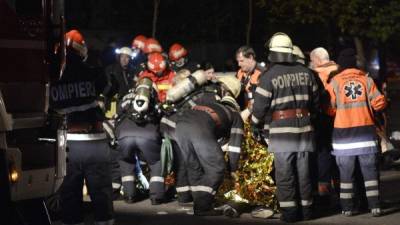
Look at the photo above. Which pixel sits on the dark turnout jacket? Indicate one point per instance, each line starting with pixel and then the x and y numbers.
pixel 287 86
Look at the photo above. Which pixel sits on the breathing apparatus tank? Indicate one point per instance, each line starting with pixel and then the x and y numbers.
pixel 186 86
pixel 143 93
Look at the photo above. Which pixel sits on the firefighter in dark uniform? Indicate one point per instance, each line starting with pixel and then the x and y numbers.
pixel 186 93
pixel 198 130
pixel 290 92
pixel 121 78
pixel 88 153
pixel 138 127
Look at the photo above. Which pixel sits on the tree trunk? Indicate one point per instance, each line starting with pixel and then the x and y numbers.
pixel 382 61
pixel 250 21
pixel 360 53
pixel 155 17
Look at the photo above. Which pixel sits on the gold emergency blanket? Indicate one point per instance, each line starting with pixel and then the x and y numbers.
pixel 254 186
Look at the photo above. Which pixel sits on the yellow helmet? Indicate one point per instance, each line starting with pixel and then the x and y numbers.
pixel 299 54
pixel 280 42
pixel 231 83
pixel 228 100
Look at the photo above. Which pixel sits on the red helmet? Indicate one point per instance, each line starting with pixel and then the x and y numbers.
pixel 156 63
pixel 152 45
pixel 176 51
pixel 76 42
pixel 139 42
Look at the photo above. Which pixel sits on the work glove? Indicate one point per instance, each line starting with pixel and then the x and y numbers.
pixel 127 101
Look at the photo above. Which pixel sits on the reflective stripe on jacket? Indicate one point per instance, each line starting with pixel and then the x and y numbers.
pixel 353 97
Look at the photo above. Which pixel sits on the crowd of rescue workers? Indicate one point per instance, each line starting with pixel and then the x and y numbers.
pixel 152 114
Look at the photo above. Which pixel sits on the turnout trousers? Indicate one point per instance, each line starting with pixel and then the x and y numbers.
pixel 144 141
pixel 202 158
pixel 88 160
pixel 294 188
pixel 115 173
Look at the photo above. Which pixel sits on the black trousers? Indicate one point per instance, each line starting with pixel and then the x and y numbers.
pixel 327 169
pixel 294 189
pixel 369 169
pixel 202 157
pixel 145 142
pixel 89 161
pixel 115 171
pixel 182 180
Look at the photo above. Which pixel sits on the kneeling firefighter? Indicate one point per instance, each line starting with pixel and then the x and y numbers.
pixel 197 132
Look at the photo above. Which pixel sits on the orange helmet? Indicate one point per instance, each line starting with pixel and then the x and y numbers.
pixel 152 45
pixel 156 63
pixel 139 42
pixel 176 51
pixel 76 42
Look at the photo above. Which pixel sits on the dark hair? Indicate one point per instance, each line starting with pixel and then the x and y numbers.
pixel 206 65
pixel 246 51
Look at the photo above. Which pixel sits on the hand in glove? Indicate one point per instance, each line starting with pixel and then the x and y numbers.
pixel 127 100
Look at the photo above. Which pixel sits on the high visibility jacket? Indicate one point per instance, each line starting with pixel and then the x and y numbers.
pixel 353 98
pixel 162 83
pixel 324 71
pixel 249 83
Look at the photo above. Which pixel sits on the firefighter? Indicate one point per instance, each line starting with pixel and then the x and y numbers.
pixel 75 95
pixel 179 59
pixel 139 57
pixel 248 74
pixel 354 98
pixel 159 72
pixel 138 134
pixel 190 91
pixel 151 45
pixel 290 92
pixel 327 170
pixel 197 132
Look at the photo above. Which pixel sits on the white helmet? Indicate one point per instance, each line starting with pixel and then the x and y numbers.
pixel 231 83
pixel 125 51
pixel 231 102
pixel 299 54
pixel 280 42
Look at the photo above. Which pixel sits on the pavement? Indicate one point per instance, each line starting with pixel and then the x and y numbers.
pixel 143 213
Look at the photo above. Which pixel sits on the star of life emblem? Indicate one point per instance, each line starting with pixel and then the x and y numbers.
pixel 353 90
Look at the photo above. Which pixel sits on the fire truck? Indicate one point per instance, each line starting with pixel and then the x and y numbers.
pixel 32 137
